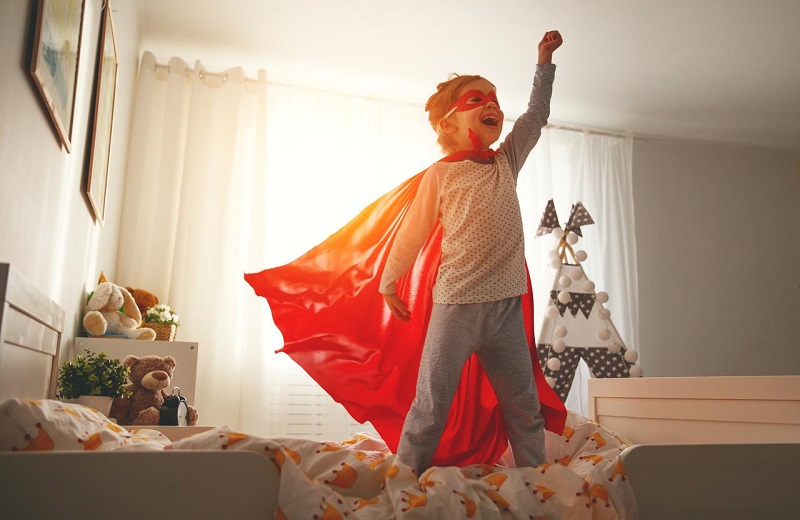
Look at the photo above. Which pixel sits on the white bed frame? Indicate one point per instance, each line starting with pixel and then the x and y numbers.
pixel 707 410
pixel 706 435
pixel 213 484
pixel 31 325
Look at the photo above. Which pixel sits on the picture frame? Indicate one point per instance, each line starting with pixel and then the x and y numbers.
pixel 102 126
pixel 55 60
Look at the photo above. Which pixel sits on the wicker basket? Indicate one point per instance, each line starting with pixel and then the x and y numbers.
pixel 163 332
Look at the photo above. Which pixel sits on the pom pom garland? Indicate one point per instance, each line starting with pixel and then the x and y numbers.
pixel 603 334
pixel 559 346
pixel 564 297
pixel 550 381
pixel 581 255
pixel 635 371
pixel 551 312
pixel 561 331
pixel 554 364
pixel 558 233
pixel 555 263
pixel 565 281
pixel 631 356
pixel 572 238
pixel 604 313
pixel 576 274
pixel 588 286
pixel 602 297
pixel 615 348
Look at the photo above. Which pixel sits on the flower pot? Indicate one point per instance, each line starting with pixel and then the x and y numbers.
pixel 164 332
pixel 100 403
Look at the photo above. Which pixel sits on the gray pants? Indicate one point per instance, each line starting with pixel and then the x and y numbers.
pixel 495 333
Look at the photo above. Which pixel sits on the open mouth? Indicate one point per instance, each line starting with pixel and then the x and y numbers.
pixel 490 120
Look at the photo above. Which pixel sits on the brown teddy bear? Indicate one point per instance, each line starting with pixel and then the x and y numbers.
pixel 149 376
pixel 144 299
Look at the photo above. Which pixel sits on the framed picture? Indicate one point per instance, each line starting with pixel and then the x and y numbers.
pixel 105 94
pixel 54 65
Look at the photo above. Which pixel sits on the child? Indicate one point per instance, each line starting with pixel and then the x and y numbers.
pixel 481 277
pixel 338 328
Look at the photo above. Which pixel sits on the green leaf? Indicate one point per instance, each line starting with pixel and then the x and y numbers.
pixel 92 374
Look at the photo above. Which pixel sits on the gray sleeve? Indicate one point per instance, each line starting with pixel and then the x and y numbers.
pixel 528 127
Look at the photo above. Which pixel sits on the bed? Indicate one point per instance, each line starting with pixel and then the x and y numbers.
pixel 64 460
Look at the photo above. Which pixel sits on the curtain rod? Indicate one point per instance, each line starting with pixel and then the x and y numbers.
pixel 605 133
pixel 328 90
pixel 223 75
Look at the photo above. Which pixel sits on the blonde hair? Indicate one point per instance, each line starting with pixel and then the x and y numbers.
pixel 439 104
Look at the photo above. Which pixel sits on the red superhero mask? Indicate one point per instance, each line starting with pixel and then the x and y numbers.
pixel 473 99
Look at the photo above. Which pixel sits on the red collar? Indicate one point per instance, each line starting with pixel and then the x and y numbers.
pixel 480 155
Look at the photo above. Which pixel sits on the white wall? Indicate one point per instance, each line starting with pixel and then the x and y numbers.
pixel 47 231
pixel 718 249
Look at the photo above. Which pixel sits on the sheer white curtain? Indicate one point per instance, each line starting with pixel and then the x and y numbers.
pixel 571 165
pixel 329 156
pixel 194 210
pixel 228 175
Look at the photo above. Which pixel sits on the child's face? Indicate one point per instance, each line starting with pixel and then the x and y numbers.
pixel 478 120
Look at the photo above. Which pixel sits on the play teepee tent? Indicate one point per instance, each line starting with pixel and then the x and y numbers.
pixel 576 324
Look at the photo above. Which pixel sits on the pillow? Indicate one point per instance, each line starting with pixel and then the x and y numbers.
pixel 46 425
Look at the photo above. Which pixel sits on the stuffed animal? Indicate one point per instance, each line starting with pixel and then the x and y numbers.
pixel 144 299
pixel 149 376
pixel 102 313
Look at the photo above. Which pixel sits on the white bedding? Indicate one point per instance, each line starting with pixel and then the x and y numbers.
pixel 360 478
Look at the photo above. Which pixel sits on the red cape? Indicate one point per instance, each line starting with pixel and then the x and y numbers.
pixel 336 326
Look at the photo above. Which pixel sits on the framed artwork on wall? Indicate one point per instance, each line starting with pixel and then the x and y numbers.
pixel 54 66
pixel 105 95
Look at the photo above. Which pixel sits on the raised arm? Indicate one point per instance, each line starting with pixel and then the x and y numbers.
pixel 528 127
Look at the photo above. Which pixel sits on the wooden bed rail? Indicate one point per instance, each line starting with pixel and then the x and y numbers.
pixel 726 481
pixel 196 484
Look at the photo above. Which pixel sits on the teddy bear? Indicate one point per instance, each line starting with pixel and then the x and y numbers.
pixel 102 313
pixel 149 376
pixel 144 299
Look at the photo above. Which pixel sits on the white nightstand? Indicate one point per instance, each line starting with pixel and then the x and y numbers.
pixel 185 353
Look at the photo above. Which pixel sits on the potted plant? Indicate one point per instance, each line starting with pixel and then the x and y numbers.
pixel 93 380
pixel 162 319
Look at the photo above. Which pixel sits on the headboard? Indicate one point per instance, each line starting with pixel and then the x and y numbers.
pixel 31 325
pixel 688 410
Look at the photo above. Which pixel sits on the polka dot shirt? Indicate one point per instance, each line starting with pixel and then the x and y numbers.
pixel 483 250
